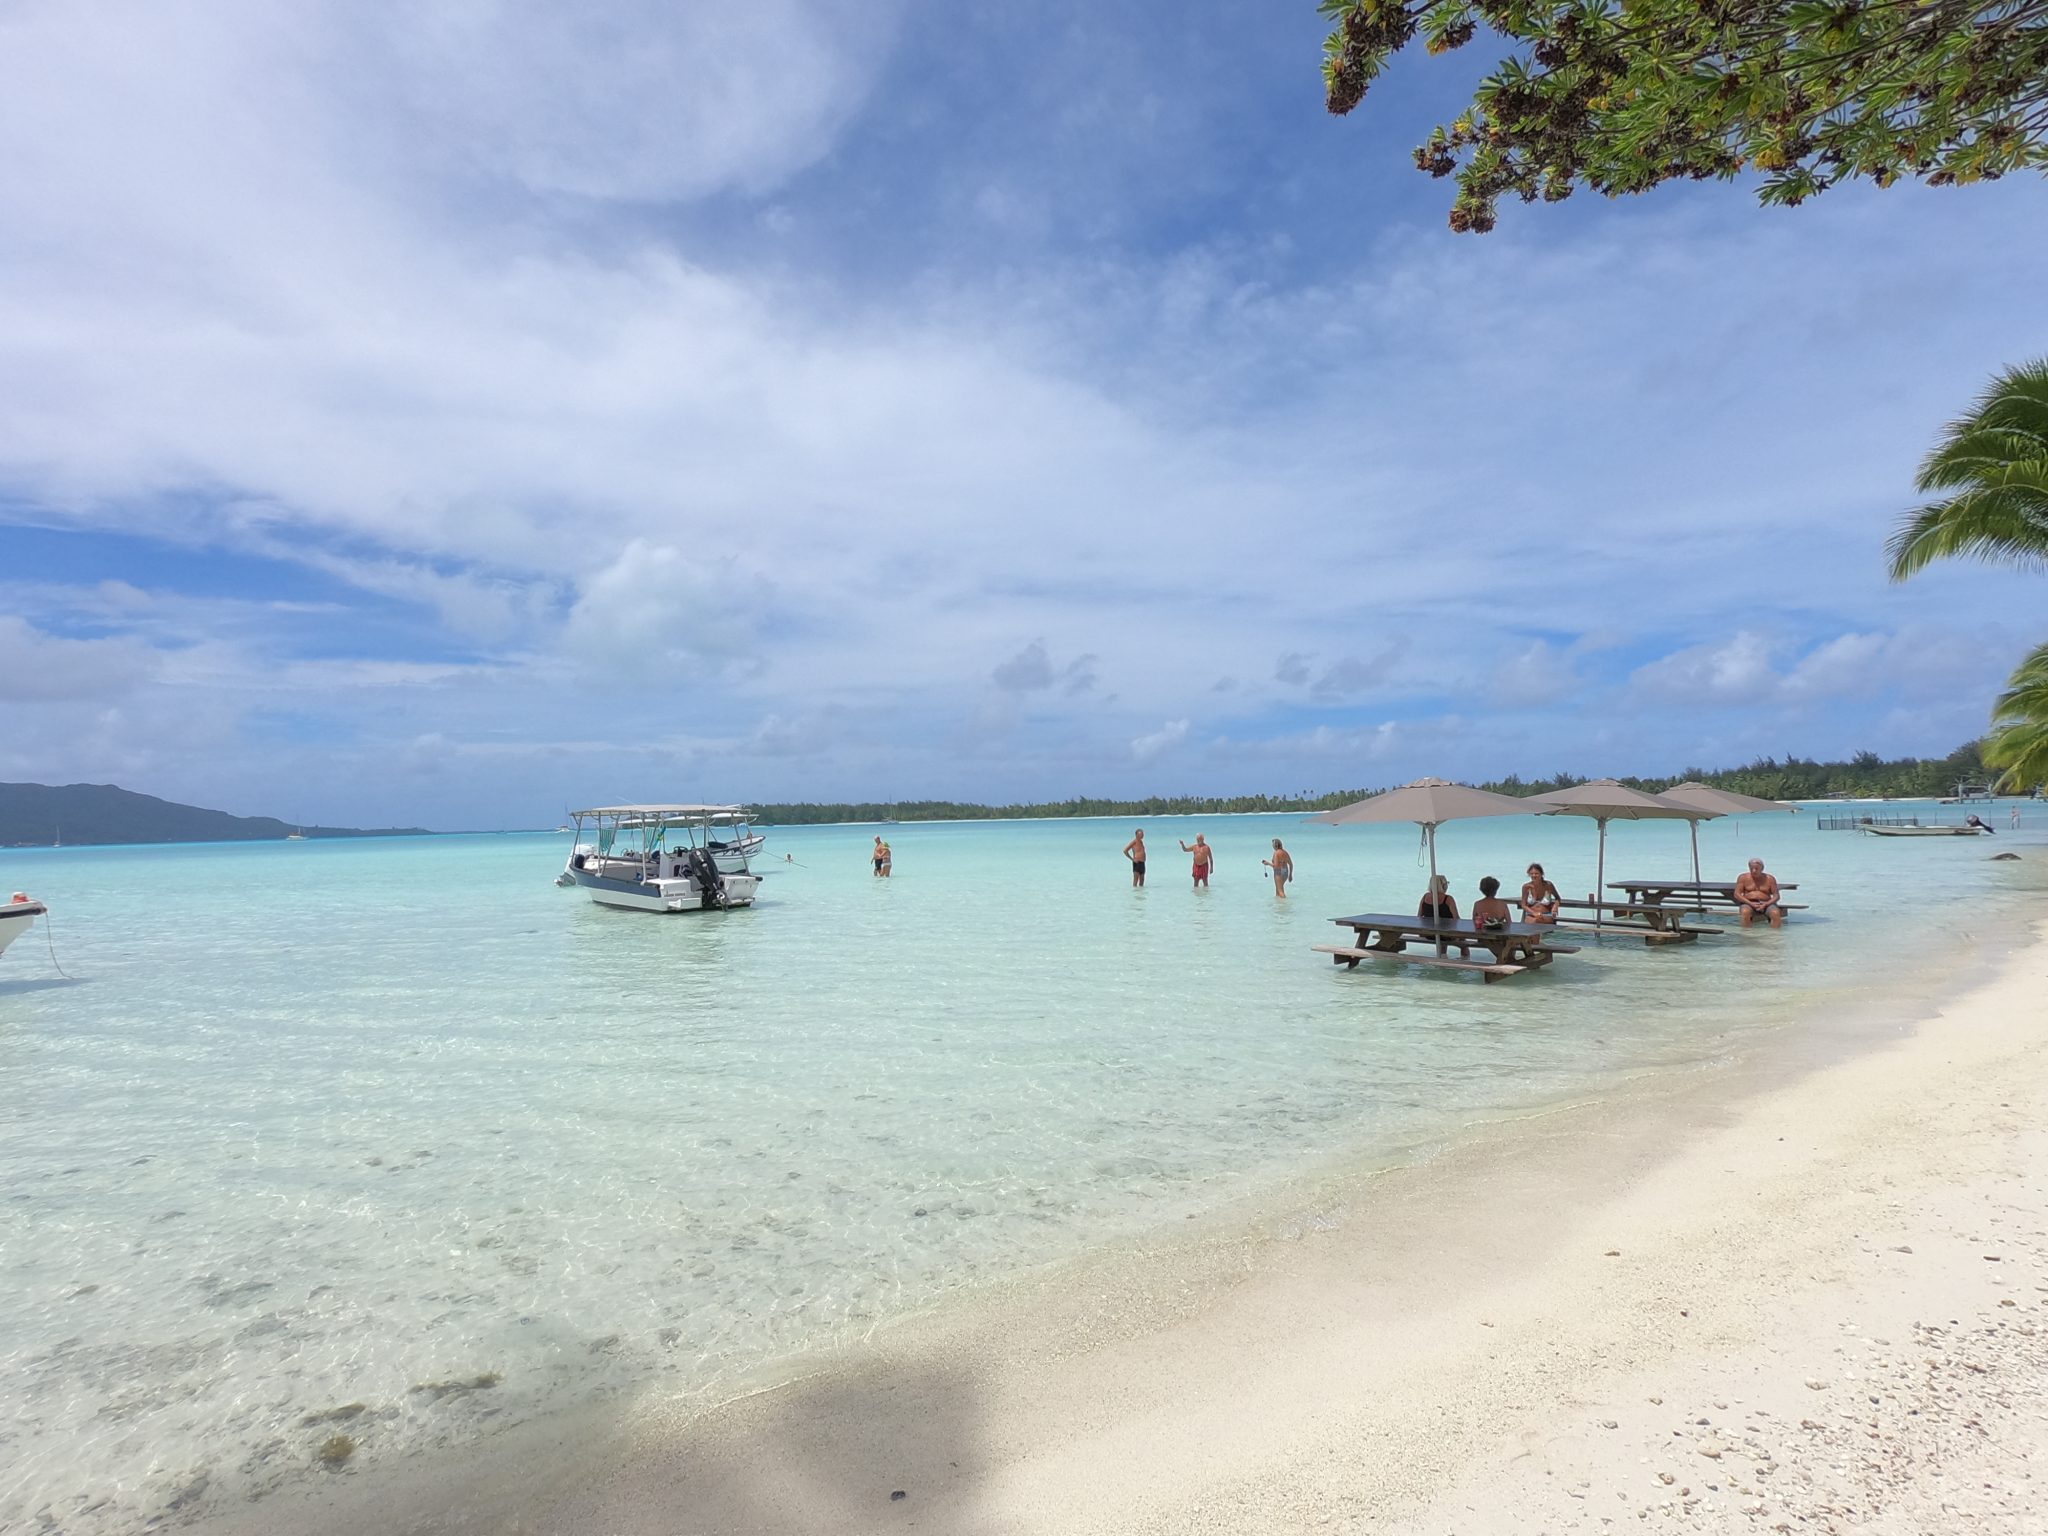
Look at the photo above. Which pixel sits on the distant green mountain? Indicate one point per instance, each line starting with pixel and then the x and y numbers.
pixel 36 815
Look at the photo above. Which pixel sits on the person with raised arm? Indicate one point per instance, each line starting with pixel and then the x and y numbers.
pixel 1282 865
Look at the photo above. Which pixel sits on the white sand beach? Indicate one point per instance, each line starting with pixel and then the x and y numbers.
pixel 1748 1300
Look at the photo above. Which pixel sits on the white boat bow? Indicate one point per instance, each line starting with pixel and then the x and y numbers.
pixel 17 916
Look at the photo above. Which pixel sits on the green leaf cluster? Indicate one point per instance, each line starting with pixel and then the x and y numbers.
pixel 2018 743
pixel 1624 95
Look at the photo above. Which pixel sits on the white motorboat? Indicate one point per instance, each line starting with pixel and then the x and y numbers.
pixel 1934 831
pixel 17 916
pixel 661 858
pixel 733 841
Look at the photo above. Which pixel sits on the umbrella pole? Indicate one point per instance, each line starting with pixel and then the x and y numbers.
pixel 1695 859
pixel 1600 878
pixel 1429 832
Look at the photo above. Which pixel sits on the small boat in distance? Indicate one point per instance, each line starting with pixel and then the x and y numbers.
pixel 296 835
pixel 1932 831
pixel 17 916
pixel 733 841
pixel 1967 794
pixel 661 858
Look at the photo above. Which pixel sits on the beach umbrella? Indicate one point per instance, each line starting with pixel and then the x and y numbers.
pixel 1429 803
pixel 1604 800
pixel 1718 802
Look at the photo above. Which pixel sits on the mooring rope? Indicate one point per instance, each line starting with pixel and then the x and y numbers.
pixel 50 939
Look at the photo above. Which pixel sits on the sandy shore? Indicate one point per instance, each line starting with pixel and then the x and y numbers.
pixel 1734 1302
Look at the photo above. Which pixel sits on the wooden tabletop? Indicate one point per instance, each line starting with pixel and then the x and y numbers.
pixel 1725 886
pixel 1456 928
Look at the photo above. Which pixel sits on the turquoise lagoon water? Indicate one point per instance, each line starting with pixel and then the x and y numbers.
pixel 335 1123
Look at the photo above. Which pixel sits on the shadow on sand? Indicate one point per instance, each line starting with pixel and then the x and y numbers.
pixel 873 1445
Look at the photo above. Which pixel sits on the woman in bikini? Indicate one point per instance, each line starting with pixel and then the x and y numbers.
pixel 1539 897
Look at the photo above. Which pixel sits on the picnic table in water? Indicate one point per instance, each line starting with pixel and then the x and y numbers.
pixel 1514 947
pixel 1712 893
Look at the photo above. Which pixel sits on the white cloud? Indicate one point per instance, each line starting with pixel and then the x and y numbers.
pixel 1539 673
pixel 1352 675
pixel 1920 662
pixel 1737 670
pixel 1029 669
pixel 637 98
pixel 656 609
pixel 1154 744
pixel 42 666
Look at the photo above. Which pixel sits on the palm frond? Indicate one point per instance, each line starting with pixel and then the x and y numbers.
pixel 2020 752
pixel 2009 421
pixel 2003 518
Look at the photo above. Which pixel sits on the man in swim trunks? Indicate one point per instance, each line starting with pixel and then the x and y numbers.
pixel 1757 894
pixel 883 858
pixel 1282 865
pixel 1205 858
pixel 1134 850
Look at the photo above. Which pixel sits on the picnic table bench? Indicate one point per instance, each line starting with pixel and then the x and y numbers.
pixel 1711 893
pixel 1658 924
pixel 1515 948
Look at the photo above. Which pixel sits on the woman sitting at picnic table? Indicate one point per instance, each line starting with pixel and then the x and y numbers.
pixel 1539 897
pixel 1489 912
pixel 1440 906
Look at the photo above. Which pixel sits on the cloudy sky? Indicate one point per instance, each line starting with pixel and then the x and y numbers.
pixel 450 412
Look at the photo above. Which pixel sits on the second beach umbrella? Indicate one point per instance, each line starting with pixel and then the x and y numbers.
pixel 1716 802
pixel 1605 800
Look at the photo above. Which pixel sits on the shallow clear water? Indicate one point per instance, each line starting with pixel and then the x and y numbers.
pixel 324 1124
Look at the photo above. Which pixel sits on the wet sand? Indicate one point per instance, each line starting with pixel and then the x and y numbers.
pixel 1742 1300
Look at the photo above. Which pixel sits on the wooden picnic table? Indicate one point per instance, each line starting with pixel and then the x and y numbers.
pixel 1657 923
pixel 1719 893
pixel 1516 947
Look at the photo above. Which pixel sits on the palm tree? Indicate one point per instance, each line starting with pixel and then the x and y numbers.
pixel 1995 462
pixel 2018 743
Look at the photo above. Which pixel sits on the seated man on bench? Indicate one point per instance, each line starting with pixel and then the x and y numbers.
pixel 1756 893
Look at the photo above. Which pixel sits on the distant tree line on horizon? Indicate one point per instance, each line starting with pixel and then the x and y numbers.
pixel 1792 778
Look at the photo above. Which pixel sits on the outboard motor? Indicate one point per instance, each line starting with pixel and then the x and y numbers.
pixel 704 870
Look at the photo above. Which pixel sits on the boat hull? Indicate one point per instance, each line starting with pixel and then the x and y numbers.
pixel 679 895
pixel 733 857
pixel 1924 831
pixel 16 918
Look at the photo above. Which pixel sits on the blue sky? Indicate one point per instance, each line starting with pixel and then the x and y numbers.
pixel 450 413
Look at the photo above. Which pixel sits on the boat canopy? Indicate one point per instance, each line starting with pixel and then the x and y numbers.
pixel 652 812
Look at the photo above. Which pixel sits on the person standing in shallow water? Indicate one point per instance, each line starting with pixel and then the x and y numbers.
pixel 1205 859
pixel 884 859
pixel 1134 850
pixel 1282 865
